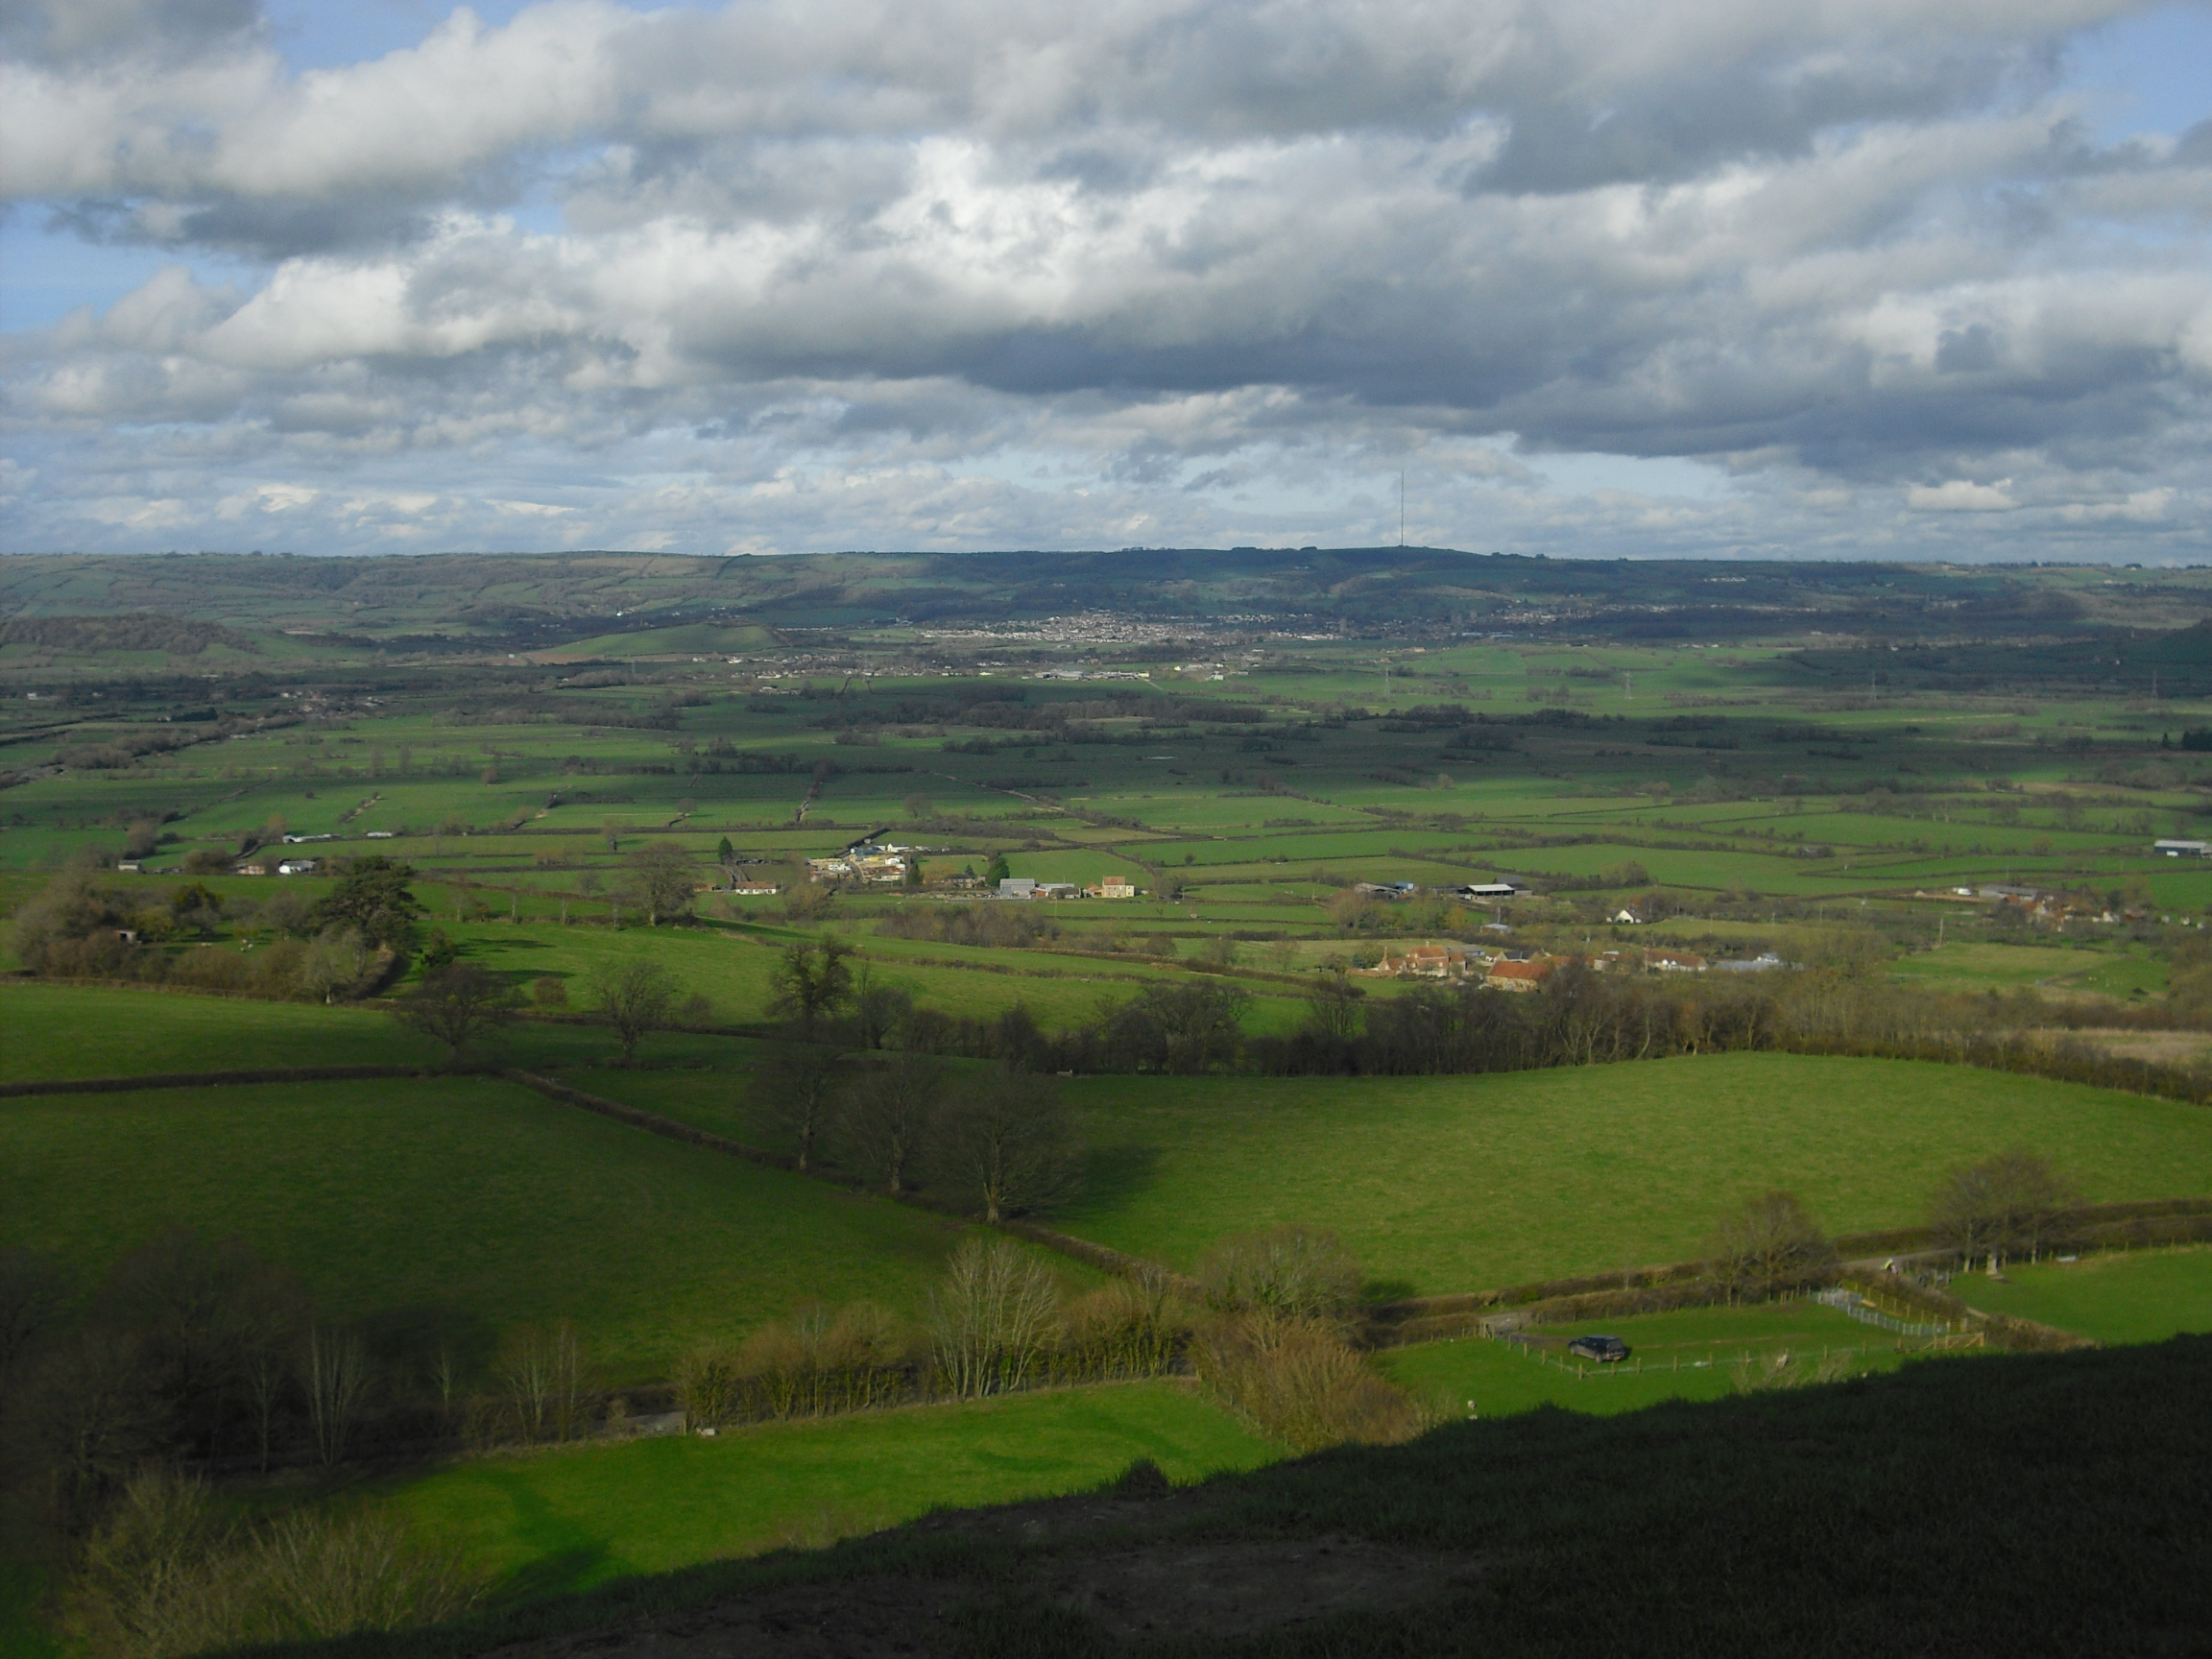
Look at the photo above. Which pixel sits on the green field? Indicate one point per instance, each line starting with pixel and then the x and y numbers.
pixel 1444 1184
pixel 2122 1296
pixel 557 1521
pixel 1692 1355
pixel 458 1209
pixel 102 1031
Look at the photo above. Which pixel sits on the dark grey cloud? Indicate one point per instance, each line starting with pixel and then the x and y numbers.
pixel 97 33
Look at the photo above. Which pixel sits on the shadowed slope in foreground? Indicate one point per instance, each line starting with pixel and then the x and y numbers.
pixel 1987 1505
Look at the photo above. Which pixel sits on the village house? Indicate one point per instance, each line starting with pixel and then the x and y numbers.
pixel 1675 962
pixel 1112 887
pixel 1426 962
pixel 1518 976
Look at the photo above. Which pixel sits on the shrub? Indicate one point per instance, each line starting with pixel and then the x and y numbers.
pixel 163 1575
pixel 1298 1382
pixel 708 1387
pixel 819 1363
pixel 1770 1373
pixel 1129 1328
pixel 1301 1272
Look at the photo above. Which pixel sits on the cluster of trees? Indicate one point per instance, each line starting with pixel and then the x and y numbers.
pixel 1001 1144
pixel 200 1355
pixel 1003 926
pixel 2009 1205
pixel 340 945
pixel 1581 1017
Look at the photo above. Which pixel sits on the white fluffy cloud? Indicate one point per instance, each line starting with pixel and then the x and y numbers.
pixel 881 273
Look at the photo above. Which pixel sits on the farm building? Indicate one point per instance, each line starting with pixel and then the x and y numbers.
pixel 1517 976
pixel 2183 848
pixel 1427 962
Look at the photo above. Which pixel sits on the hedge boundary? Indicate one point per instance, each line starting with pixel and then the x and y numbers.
pixel 219 1079
pixel 1866 1259
pixel 1102 1256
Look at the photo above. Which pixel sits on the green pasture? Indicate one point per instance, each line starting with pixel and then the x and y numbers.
pixel 552 1522
pixel 2109 972
pixel 2119 1296
pixel 1446 1184
pixel 457 1208
pixel 1696 1354
pixel 99 1031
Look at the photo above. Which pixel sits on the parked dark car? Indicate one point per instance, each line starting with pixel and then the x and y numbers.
pixel 1602 1348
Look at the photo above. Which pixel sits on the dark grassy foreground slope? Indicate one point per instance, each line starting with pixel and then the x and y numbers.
pixel 2013 1506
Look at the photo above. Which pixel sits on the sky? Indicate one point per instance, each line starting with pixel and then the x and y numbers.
pixel 1840 278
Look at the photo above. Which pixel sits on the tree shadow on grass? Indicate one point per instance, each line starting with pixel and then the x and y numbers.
pixel 1113 1175
pixel 562 1573
pixel 416 1341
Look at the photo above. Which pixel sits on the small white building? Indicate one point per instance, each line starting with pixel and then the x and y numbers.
pixel 296 867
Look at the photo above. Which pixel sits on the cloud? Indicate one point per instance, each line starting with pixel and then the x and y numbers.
pixel 1960 495
pixel 1009 269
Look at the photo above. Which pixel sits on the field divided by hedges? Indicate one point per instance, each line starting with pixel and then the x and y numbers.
pixel 1444 1184
pixel 460 1206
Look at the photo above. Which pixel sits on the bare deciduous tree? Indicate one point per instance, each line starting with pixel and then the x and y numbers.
pixel 543 1376
pixel 635 996
pixel 456 1005
pixel 798 1083
pixel 991 1318
pixel 334 1378
pixel 1333 1010
pixel 2001 1207
pixel 809 984
pixel 1007 1146
pixel 1768 1245
pixel 888 1113
pixel 661 874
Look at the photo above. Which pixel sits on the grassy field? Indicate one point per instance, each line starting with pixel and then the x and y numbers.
pixel 559 1521
pixel 59 1031
pixel 1692 1354
pixel 1459 1182
pixel 99 1031
pixel 2126 1296
pixel 455 1208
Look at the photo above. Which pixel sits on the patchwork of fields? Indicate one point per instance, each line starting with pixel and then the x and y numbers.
pixel 1775 794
